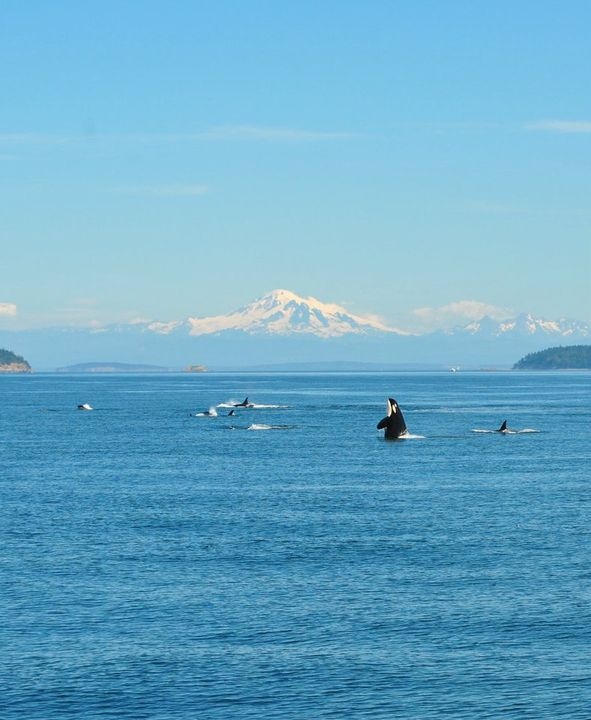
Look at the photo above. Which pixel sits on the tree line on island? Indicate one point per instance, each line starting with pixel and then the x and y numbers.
pixel 572 357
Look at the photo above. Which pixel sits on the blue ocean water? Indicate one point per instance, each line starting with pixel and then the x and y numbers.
pixel 288 562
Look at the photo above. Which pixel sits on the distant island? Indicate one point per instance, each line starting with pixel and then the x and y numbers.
pixel 12 363
pixel 573 357
pixel 195 368
pixel 111 367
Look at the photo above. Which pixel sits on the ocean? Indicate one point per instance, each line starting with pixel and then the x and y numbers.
pixel 288 562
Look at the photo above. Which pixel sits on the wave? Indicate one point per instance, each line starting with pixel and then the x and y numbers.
pixel 269 407
pixel 250 406
pixel 260 426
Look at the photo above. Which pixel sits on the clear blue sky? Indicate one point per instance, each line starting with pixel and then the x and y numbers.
pixel 165 159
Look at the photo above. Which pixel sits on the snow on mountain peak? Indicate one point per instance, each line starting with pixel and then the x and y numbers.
pixel 164 328
pixel 282 312
pixel 526 324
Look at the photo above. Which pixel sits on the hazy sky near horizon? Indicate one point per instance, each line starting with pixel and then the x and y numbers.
pixel 165 159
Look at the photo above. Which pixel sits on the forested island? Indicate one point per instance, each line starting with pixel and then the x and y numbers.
pixel 12 363
pixel 573 357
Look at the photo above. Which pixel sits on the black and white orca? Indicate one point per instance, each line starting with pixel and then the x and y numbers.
pixel 231 413
pixel 505 429
pixel 85 406
pixel 393 423
pixel 244 403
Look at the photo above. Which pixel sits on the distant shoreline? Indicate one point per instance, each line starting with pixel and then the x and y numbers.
pixel 324 371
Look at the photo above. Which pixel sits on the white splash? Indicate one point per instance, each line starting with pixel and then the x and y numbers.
pixel 504 432
pixel 261 426
pixel 212 412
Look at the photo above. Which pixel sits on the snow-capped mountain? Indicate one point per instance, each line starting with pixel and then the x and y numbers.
pixel 282 312
pixel 527 326
pixel 282 327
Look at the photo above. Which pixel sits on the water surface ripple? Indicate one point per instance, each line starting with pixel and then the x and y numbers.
pixel 164 566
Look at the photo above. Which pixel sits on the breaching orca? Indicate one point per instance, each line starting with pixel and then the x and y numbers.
pixel 85 406
pixel 393 423
pixel 244 403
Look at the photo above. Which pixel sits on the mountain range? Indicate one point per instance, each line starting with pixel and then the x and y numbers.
pixel 283 328
pixel 280 312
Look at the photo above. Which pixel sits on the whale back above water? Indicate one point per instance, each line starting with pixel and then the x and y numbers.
pixel 393 423
pixel 506 430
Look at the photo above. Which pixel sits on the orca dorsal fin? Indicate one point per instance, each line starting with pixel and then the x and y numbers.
pixel 503 426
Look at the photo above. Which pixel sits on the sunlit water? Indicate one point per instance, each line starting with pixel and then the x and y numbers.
pixel 288 562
